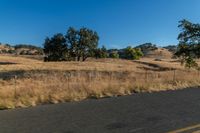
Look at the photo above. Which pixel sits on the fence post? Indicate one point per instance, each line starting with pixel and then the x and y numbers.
pixel 15 82
pixel 146 75
pixel 111 75
pixel 174 75
pixel 68 75
pixel 89 77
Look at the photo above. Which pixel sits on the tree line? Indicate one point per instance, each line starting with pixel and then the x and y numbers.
pixel 78 45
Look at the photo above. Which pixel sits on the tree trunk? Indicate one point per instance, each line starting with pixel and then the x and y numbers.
pixel 84 58
pixel 79 58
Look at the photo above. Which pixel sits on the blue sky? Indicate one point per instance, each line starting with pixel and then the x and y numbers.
pixel 118 22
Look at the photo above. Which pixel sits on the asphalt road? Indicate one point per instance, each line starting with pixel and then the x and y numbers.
pixel 139 113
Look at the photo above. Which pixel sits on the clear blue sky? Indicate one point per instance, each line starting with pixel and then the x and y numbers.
pixel 118 22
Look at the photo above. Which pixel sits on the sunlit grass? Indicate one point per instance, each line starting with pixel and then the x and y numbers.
pixel 32 82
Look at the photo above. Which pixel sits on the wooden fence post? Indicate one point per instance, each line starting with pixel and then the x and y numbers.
pixel 15 82
pixel 68 75
pixel 174 75
pixel 89 77
pixel 111 75
pixel 146 75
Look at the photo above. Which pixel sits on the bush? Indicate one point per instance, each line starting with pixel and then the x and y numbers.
pixel 101 52
pixel 132 53
pixel 114 55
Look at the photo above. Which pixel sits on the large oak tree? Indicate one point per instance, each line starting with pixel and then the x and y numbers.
pixel 189 43
pixel 75 45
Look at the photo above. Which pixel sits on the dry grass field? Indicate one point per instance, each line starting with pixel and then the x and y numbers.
pixel 28 82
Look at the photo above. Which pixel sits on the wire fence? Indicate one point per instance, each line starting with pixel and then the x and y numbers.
pixel 88 78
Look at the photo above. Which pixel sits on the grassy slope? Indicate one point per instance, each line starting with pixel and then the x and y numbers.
pixel 27 82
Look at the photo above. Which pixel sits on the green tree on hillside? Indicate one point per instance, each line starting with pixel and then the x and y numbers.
pixel 189 43
pixel 132 53
pixel 72 40
pixel 83 43
pixel 114 54
pixel 88 42
pixel 75 45
pixel 55 48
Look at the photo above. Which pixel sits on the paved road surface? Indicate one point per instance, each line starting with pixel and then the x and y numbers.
pixel 140 113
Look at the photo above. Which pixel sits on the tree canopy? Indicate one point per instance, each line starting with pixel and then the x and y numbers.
pixel 55 48
pixel 75 45
pixel 189 43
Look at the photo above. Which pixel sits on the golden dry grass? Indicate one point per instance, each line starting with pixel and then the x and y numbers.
pixel 31 82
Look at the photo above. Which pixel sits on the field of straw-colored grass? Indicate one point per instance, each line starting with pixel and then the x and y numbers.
pixel 27 82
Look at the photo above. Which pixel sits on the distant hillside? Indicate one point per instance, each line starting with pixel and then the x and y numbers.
pixel 20 49
pixel 159 53
pixel 6 48
pixel 171 48
pixel 148 49
pixel 151 51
